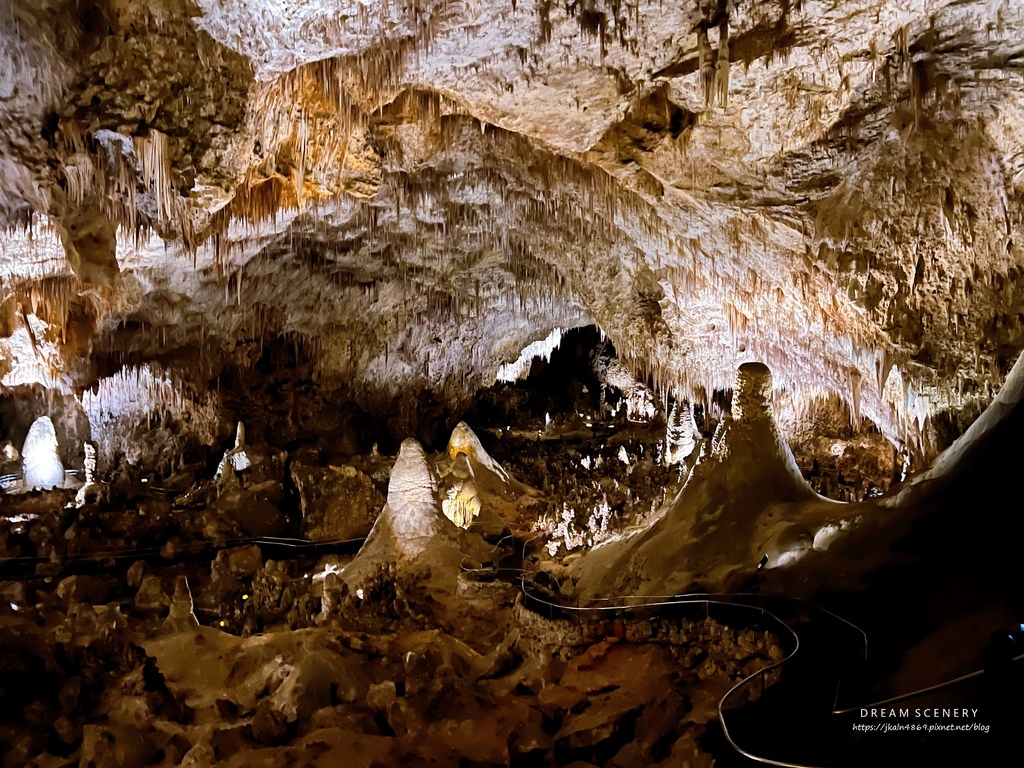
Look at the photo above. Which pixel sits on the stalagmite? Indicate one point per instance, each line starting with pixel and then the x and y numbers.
pixel 235 459
pixel 40 462
pixel 412 502
pixel 752 396
pixel 742 486
pixel 681 434
pixel 92 489
pixel 464 441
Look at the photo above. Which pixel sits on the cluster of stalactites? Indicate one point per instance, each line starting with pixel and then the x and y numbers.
pixel 130 178
pixel 520 367
pixel 714 64
pixel 137 390
pixel 146 395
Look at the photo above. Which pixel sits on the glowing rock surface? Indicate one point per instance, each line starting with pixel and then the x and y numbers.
pixel 40 461
pixel 461 502
pixel 464 440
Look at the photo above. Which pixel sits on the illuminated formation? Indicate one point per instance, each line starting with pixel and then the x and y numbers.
pixel 39 458
pixel 729 504
pixel 412 529
pixel 460 498
pixel 235 458
pixel 465 442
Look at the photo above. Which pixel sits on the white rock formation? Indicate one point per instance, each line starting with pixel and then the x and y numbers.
pixel 413 504
pixel 412 532
pixel 520 367
pixel 91 489
pixel 235 459
pixel 131 413
pixel 40 461
pixel 681 434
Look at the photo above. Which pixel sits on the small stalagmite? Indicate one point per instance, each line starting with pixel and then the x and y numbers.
pixel 92 488
pixel 464 441
pixel 681 434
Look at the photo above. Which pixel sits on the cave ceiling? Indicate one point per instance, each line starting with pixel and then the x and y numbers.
pixel 418 190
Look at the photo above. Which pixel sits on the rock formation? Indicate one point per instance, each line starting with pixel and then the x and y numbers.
pixel 724 515
pixel 338 503
pixel 464 441
pixel 681 435
pixel 460 498
pixel 91 488
pixel 356 184
pixel 412 533
pixel 39 459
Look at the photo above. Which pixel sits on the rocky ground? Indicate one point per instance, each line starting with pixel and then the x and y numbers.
pixel 215 610
pixel 137 634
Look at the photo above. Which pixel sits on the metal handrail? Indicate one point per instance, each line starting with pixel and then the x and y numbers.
pixel 921 691
pixel 741 684
pixel 619 603
pixel 664 601
pixel 756 595
pixel 119 554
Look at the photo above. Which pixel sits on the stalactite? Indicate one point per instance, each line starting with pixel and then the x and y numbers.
pixel 721 86
pixel 706 64
pixel 154 157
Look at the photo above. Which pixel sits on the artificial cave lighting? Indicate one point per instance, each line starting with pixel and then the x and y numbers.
pixel 510 384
